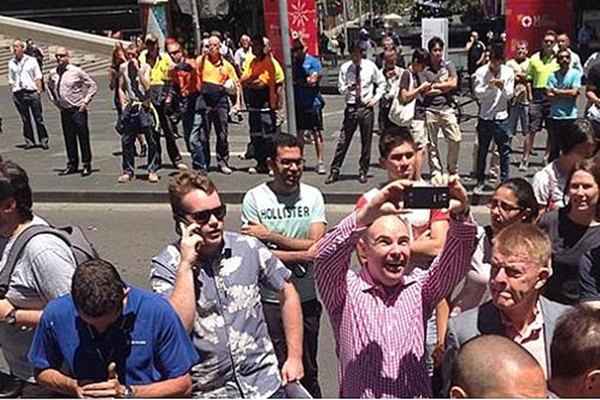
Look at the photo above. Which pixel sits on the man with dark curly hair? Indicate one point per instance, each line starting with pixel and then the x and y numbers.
pixel 109 339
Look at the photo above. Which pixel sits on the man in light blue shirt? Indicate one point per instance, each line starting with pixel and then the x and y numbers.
pixel 562 90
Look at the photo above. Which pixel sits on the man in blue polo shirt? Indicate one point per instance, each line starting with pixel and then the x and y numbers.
pixel 108 339
pixel 307 96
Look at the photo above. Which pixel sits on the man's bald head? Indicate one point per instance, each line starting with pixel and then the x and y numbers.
pixel 495 366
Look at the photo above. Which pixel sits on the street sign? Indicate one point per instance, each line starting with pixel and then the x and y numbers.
pixel 431 27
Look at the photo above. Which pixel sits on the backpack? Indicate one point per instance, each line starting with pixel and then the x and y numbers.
pixel 82 248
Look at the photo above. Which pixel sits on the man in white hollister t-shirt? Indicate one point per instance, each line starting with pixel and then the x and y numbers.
pixel 289 217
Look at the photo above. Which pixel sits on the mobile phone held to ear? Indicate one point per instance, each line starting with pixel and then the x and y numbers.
pixel 432 197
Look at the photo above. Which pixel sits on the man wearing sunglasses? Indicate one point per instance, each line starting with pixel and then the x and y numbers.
pixel 109 339
pixel 185 89
pixel 213 280
pixel 71 90
pixel 541 65
pixel 289 216
pixel 216 74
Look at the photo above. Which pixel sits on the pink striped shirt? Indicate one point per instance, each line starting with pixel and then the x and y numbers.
pixel 380 333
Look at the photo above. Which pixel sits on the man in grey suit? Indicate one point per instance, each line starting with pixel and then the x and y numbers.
pixel 520 267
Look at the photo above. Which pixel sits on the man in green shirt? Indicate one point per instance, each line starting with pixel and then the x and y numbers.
pixel 541 65
pixel 289 217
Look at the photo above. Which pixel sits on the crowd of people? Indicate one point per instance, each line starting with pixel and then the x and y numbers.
pixel 436 305
pixel 155 89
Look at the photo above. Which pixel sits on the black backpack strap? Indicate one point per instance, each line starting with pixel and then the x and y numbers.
pixel 17 249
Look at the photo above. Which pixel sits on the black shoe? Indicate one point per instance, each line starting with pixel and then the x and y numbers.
pixel 86 171
pixel 333 177
pixel 45 146
pixel 362 177
pixel 29 146
pixel 68 171
pixel 10 387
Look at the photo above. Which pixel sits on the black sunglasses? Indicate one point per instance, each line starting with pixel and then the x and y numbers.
pixel 202 217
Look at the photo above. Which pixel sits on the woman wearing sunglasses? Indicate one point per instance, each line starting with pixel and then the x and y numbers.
pixel 574 230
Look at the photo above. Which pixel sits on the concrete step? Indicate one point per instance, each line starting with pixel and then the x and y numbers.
pixel 88 61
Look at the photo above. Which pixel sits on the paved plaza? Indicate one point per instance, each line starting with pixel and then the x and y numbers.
pixel 43 166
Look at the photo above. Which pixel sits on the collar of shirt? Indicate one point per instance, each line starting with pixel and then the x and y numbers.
pixel 368 284
pixel 224 253
pixel 531 331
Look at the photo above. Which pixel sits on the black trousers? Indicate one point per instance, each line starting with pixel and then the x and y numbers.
pixel 28 101
pixel 263 125
pixel 217 118
pixel 167 127
pixel 311 318
pixel 355 117
pixel 75 129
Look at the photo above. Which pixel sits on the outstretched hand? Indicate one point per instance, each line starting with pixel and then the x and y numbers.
pixel 459 199
pixel 387 201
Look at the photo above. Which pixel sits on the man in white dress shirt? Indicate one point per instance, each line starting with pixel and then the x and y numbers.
pixel 363 84
pixel 25 79
pixel 494 87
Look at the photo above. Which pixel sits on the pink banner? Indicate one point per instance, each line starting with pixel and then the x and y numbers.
pixel 302 17
pixel 528 20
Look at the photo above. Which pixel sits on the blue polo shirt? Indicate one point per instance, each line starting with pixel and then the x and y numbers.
pixel 148 342
pixel 562 107
pixel 307 98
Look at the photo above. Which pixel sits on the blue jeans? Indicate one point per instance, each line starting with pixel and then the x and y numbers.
pixel 498 131
pixel 192 133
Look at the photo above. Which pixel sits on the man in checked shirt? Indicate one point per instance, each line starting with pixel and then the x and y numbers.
pixel 379 314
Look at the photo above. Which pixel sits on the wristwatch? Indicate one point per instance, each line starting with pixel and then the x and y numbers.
pixel 128 393
pixel 11 318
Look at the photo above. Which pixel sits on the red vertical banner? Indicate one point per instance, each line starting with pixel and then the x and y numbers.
pixel 302 19
pixel 528 20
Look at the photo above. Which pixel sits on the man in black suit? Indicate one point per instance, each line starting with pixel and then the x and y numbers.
pixel 520 267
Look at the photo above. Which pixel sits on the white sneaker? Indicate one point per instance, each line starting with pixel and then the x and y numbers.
pixel 225 170
pixel 321 168
pixel 153 177
pixel 252 171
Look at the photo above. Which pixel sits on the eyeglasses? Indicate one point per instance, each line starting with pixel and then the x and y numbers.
pixel 502 205
pixel 60 55
pixel 172 53
pixel 202 217
pixel 288 162
pixel 564 57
